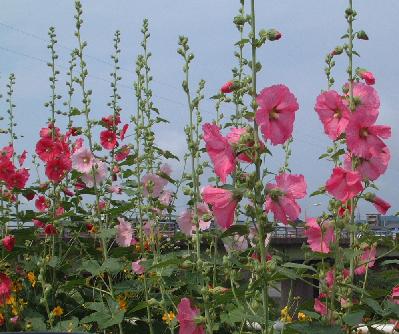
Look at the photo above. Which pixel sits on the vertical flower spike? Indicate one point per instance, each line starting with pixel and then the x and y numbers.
pixel 281 196
pixel 219 151
pixel 276 113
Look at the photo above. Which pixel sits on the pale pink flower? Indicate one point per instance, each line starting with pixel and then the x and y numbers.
pixel 124 233
pixel 100 169
pixel 319 237
pixel 137 267
pixel 166 169
pixel 153 185
pixel 363 137
pixel 166 197
pixel 186 219
pixel 82 160
pixel 223 205
pixel 281 196
pixel 237 243
pixel 344 184
pixel 186 316
pixel 276 113
pixel 333 113
pixel 115 189
pixel 367 260
pixel 219 151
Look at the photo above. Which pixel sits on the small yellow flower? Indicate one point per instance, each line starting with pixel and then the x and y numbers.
pixel 57 311
pixel 285 316
pixel 17 286
pixel 303 317
pixel 168 317
pixel 31 278
pixel 2 319
pixel 10 300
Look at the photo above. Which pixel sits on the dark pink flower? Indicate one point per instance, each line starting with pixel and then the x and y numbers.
pixel 5 287
pixel 281 196
pixel 367 260
pixel 276 113
pixel 123 131
pixel 108 139
pixel 123 153
pixel 381 205
pixel 7 169
pixel 49 229
pixel 235 137
pixel 344 184
pixel 18 179
pixel 22 158
pixel 333 113
pixel 319 306
pixel 38 223
pixel 186 316
pixel 7 152
pixel 363 137
pixel 111 121
pixel 9 242
pixel 219 151
pixel 367 76
pixel 223 205
pixel 48 149
pixel 395 294
pixel 319 236
pixel 57 168
pixel 330 278
pixel 41 203
pixel 227 87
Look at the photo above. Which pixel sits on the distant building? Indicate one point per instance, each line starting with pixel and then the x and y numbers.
pixel 383 225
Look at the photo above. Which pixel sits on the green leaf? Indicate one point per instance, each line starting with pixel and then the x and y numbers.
pixel 92 266
pixel 386 262
pixel 112 265
pixel 354 318
pixel 235 229
pixel 68 326
pixel 374 305
pixel 319 191
pixel 298 266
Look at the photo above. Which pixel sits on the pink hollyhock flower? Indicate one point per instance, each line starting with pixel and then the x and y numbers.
pixel 234 137
pixel 48 149
pixel 50 229
pixel 123 153
pixel 237 243
pixel 9 242
pixel 124 233
pixel 100 173
pixel 223 205
pixel 111 121
pixel 5 287
pixel 367 76
pixel 56 169
pixel 108 139
pixel 227 87
pixel 281 196
pixel 395 294
pixel 153 185
pixel 344 184
pixel 166 197
pixel 319 237
pixel 366 98
pixel 276 113
pixel 186 219
pixel 333 113
pixel 59 211
pixel 381 205
pixel 166 169
pixel 18 179
pixel 367 260
pixel 330 278
pixel 14 320
pixel 82 160
pixel 373 166
pixel 38 223
pixel 363 137
pixel 115 189
pixel 41 203
pixel 137 267
pixel 7 168
pixel 186 316
pixel 219 151
pixel 78 144
pixel 319 306
pixel 7 152
pixel 123 131
pixel 22 158
pixel 68 192
pixel 48 132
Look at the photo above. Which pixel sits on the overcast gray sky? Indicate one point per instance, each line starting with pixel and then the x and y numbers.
pixel 310 29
